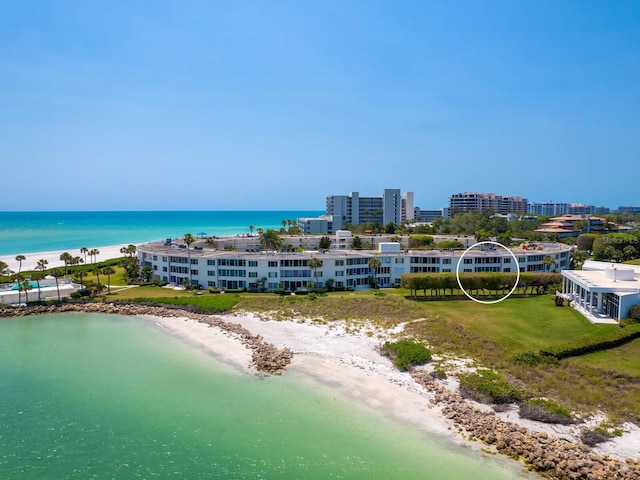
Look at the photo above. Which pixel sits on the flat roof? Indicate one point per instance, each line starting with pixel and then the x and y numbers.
pixel 597 281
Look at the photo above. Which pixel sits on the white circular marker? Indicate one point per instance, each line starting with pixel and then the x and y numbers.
pixel 486 302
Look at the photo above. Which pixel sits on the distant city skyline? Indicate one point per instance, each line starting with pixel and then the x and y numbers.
pixel 275 105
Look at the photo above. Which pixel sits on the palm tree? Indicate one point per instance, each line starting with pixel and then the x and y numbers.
pixel 374 264
pixel 251 228
pixel 37 276
pixel 55 273
pixel 93 253
pixel 315 264
pixel 66 258
pixel 548 262
pixel 75 261
pixel 19 259
pixel 80 274
pixel 270 240
pixel 108 271
pixel 18 278
pixel 3 270
pixel 96 270
pixel 26 286
pixel 42 264
pixel 84 251
pixel 188 239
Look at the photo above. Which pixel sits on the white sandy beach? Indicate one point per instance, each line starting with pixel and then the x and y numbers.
pixel 352 364
pixel 106 253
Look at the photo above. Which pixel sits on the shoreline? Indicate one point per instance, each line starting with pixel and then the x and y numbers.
pixel 351 363
pixel 53 257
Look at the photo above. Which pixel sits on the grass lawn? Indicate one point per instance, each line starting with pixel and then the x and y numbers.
pixel 519 324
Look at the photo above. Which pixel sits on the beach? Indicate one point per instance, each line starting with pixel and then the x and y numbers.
pixel 53 257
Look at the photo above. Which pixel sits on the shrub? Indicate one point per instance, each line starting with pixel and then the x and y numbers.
pixel 214 290
pixel 406 353
pixel 485 386
pixel 543 410
pixel 596 435
pixel 526 358
pixel 634 313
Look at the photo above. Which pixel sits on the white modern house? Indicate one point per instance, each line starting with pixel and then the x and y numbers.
pixel 603 292
pixel 205 266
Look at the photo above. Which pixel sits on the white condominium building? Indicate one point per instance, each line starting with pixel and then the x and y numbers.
pixel 207 267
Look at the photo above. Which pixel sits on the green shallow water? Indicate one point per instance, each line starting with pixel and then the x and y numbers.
pixel 102 396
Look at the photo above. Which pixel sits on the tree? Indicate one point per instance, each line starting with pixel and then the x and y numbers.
pixel 270 240
pixel 79 275
pixel 549 262
pixel 251 228
pixel 146 273
pixel 356 243
pixel 37 276
pixel 261 284
pixel 97 271
pixel 19 259
pixel 93 253
pixel 66 258
pixel 84 251
pixel 188 240
pixel 374 264
pixel 3 270
pixel 325 243
pixel 315 264
pixel 482 235
pixel 25 286
pixel 42 264
pixel 55 273
pixel 108 271
pixel 18 278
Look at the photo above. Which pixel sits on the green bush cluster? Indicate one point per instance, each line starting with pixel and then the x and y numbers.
pixel 526 358
pixel 407 353
pixel 615 338
pixel 634 313
pixel 486 386
pixel 546 411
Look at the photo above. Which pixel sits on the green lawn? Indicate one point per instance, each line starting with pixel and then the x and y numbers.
pixel 519 324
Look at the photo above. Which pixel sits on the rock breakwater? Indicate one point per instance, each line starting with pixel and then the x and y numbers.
pixel 553 457
pixel 266 358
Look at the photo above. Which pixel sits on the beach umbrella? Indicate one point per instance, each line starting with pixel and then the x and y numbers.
pixel 202 234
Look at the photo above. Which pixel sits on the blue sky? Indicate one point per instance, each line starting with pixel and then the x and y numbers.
pixel 122 105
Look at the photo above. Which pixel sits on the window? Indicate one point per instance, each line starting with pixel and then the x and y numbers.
pixel 273 264
pixel 253 263
pixel 399 260
pixel 273 274
pixel 155 257
pixel 194 272
pixel 253 274
pixel 339 263
pixel 211 283
pixel 446 261
pixel 340 273
pixel 155 267
pixel 468 261
pixel 506 260
pixel 164 269
pixel 211 273
pixel 211 262
pixel 194 261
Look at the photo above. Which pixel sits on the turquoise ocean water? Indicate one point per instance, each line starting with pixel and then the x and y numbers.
pixel 102 396
pixel 29 232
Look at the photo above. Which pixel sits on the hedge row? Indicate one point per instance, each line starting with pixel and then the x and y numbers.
pixel 615 338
